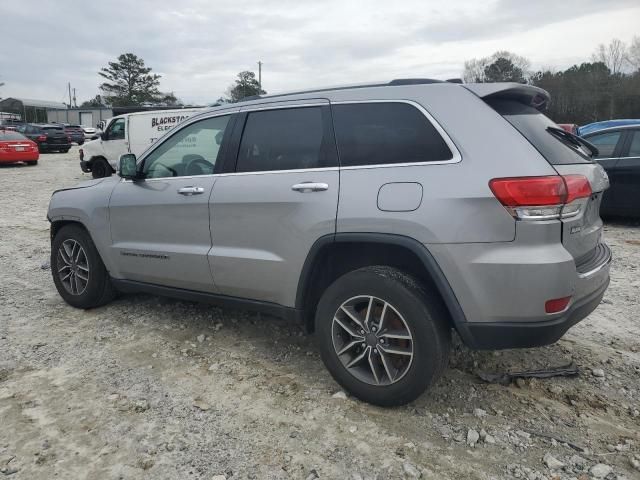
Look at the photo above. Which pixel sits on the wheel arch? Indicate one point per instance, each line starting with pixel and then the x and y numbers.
pixel 333 255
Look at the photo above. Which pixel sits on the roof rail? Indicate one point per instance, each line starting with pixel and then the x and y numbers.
pixel 395 82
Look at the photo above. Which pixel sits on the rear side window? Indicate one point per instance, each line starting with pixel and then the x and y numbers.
pixel 286 139
pixel 634 148
pixel 606 143
pixel 386 133
pixel 533 126
pixel 6 135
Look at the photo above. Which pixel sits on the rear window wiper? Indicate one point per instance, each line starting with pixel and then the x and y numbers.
pixel 574 139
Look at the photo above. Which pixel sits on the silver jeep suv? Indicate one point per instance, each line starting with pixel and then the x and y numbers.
pixel 382 216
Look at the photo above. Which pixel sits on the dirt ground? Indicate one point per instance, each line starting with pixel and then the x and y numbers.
pixel 148 387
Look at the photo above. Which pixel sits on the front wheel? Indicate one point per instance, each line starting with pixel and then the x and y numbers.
pixel 78 272
pixel 382 336
pixel 32 162
pixel 100 168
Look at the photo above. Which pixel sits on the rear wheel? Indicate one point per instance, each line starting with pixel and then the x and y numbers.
pixel 382 336
pixel 32 162
pixel 100 168
pixel 78 272
pixel 64 150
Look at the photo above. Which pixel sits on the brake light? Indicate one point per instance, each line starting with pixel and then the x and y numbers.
pixel 541 198
pixel 41 138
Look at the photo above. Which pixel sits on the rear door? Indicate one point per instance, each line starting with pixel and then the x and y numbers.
pixel 626 178
pixel 277 200
pixel 160 225
pixel 609 144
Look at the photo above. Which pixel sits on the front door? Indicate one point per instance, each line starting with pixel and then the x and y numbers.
pixel 626 175
pixel 160 225
pixel 115 144
pixel 281 197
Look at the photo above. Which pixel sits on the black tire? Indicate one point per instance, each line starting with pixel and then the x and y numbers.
pixel 32 162
pixel 81 142
pixel 423 314
pixel 66 150
pixel 99 289
pixel 100 168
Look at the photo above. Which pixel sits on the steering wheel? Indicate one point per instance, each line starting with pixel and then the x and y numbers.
pixel 199 166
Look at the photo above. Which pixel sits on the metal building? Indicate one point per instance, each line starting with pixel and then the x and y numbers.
pixel 33 111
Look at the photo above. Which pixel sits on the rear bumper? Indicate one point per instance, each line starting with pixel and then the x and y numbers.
pixel 495 336
pixel 54 146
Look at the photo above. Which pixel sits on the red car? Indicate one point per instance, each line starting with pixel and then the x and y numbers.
pixel 569 127
pixel 15 147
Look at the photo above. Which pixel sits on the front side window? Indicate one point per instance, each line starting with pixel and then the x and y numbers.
pixel 386 133
pixel 192 150
pixel 634 148
pixel 606 143
pixel 287 139
pixel 116 130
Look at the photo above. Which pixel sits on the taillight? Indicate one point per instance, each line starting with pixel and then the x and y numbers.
pixel 541 198
pixel 41 138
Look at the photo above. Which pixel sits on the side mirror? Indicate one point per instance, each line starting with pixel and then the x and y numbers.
pixel 103 136
pixel 128 167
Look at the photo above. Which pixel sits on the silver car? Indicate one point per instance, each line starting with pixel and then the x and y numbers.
pixel 382 216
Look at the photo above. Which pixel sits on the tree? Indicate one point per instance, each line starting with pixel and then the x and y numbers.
pixel 614 55
pixel 503 70
pixel 245 85
pixel 95 102
pixel 476 69
pixel 633 53
pixel 129 82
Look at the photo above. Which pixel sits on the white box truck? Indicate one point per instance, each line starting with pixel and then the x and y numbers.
pixel 129 133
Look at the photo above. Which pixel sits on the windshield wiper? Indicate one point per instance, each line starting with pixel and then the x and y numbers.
pixel 574 140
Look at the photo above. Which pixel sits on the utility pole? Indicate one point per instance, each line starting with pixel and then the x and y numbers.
pixel 69 87
pixel 259 77
pixel 75 103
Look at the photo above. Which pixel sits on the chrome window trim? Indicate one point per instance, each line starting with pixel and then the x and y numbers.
pixel 456 156
pixel 228 174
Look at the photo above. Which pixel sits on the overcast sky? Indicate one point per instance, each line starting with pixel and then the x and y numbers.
pixel 198 46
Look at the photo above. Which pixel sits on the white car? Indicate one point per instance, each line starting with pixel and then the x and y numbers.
pixel 89 132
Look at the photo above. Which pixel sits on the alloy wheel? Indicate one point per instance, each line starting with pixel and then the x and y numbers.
pixel 372 340
pixel 73 267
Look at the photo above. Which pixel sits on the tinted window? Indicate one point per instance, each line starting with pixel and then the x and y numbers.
pixel 285 139
pixel 382 133
pixel 192 150
pixel 52 128
pixel 6 135
pixel 533 125
pixel 606 143
pixel 116 130
pixel 634 148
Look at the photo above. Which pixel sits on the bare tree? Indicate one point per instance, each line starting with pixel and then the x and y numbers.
pixel 633 53
pixel 475 69
pixel 614 55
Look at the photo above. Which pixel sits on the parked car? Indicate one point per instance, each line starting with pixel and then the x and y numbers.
pixel 569 127
pixel 90 133
pixel 75 133
pixel 15 147
pixel 49 138
pixel 619 154
pixel 133 133
pixel 595 126
pixel 355 211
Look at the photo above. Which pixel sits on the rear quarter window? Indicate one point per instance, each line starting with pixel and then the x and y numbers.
pixel 533 126
pixel 386 133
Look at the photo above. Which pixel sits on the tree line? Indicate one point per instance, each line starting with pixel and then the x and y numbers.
pixel 606 87
pixel 129 82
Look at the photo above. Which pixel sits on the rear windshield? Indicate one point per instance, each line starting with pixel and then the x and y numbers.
pixel 533 126
pixel 6 135
pixel 51 128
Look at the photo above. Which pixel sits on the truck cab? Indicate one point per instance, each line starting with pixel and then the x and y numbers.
pixel 128 133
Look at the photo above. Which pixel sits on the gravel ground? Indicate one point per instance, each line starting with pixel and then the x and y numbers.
pixel 148 387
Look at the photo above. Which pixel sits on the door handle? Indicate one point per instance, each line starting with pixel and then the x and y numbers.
pixel 307 187
pixel 191 190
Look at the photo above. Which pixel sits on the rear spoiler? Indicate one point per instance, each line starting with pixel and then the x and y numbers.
pixel 527 94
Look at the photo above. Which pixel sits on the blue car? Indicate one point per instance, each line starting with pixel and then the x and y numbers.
pixel 595 126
